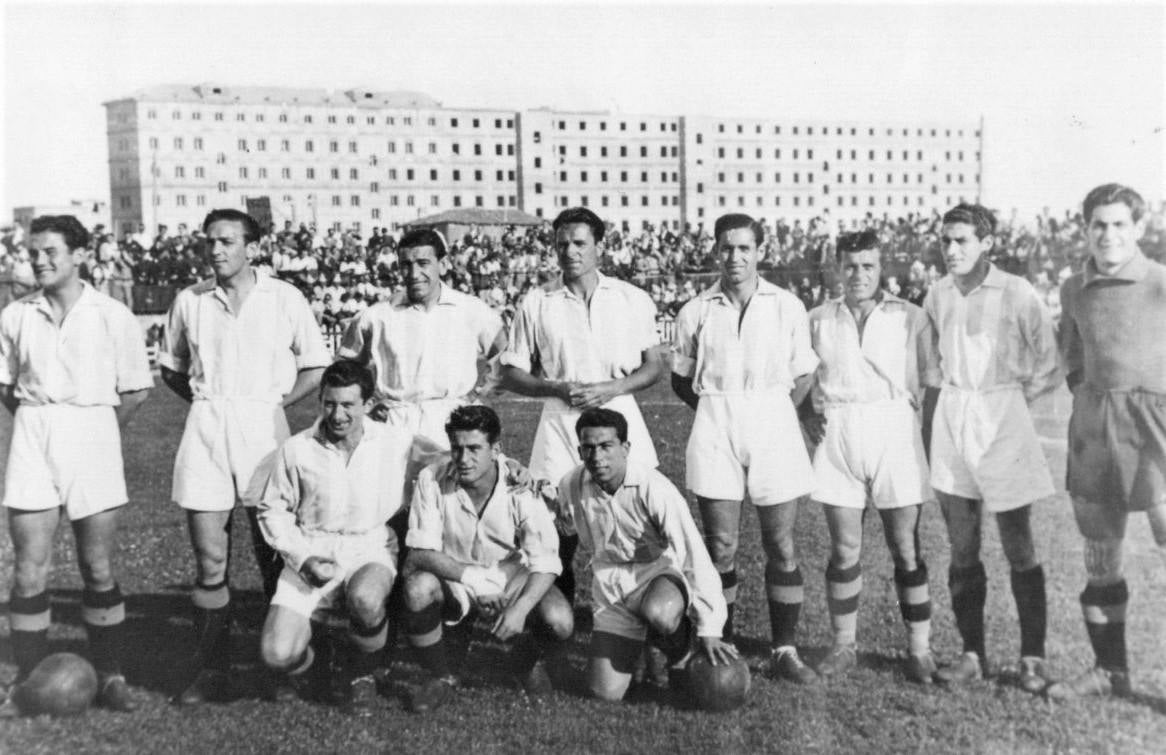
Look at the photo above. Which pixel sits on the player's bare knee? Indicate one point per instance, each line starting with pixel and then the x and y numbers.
pixel 845 552
pixel 722 547
pixel 1157 518
pixel 558 619
pixel 278 652
pixel 96 572
pixel 30 577
pixel 662 615
pixel 421 590
pixel 1017 544
pixel 367 606
pixel 1103 561
pixel 610 691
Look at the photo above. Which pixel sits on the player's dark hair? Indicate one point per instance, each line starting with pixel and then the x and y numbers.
pixel 70 228
pixel 735 220
pixel 1113 194
pixel 860 241
pixel 251 230
pixel 977 216
pixel 475 417
pixel 423 237
pixel 575 215
pixel 599 417
pixel 345 372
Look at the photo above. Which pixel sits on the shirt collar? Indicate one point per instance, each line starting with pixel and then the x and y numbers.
pixel 995 277
pixel 634 477
pixel 372 431
pixel 716 291
pixel 41 301
pixel 1134 270
pixel 560 288
pixel 445 297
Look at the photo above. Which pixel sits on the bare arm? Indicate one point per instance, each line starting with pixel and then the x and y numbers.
pixel 591 395
pixel 179 382
pixel 511 621
pixel 307 380
pixel 930 401
pixel 523 383
pixel 436 563
pixel 130 401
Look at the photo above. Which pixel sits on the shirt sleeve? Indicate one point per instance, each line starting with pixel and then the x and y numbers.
pixel 803 360
pixel 684 340
pixel 521 350
pixel 1037 331
pixel 672 516
pixel 9 354
pixel 491 340
pixel 277 511
pixel 133 363
pixel 920 342
pixel 425 522
pixel 645 308
pixel 175 352
pixel 565 506
pixel 307 340
pixel 1071 347
pixel 537 536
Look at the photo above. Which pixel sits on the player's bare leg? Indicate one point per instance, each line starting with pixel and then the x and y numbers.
pixel 285 647
pixel 210 536
pixel 611 659
pixel 669 628
pixel 366 597
pixel 843 587
pixel 1103 603
pixel 102 607
pixel 901 530
pixel 722 533
pixel 29 617
pixel 784 589
pixel 968 583
pixel 424 602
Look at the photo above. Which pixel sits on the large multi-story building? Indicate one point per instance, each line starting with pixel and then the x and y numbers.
pixel 363 158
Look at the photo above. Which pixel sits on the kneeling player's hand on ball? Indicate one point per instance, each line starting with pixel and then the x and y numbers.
pixel 318 571
pixel 717 650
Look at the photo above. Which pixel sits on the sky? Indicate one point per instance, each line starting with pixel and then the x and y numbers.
pixel 1072 95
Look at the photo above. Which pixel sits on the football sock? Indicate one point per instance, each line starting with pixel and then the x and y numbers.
pixel 969 592
pixel 103 614
pixel 29 619
pixel 568 544
pixel 212 625
pixel 915 606
pixel 729 591
pixel 424 630
pixel 1028 588
pixel 785 592
pixel 1104 607
pixel 843 586
pixel 675 646
pixel 369 639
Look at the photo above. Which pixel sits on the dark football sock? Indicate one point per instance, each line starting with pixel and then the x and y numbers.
pixel 785 592
pixel 915 607
pixel 969 592
pixel 212 626
pixel 103 614
pixel 1028 588
pixel 29 618
pixel 1104 607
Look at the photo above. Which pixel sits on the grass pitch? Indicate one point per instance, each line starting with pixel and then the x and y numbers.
pixel 872 710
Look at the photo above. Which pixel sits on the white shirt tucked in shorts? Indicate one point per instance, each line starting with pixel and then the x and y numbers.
pixel 514 532
pixel 66 444
pixel 996 352
pixel 318 503
pixel 868 387
pixel 240 366
pixel 570 339
pixel 642 531
pixel 746 435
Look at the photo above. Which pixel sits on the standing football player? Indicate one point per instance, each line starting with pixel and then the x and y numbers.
pixel 425 346
pixel 742 359
pixel 651 574
pixel 73 370
pixel 478 546
pixel 241 347
pixel 873 350
pixel 996 354
pixel 325 510
pixel 584 341
pixel 1113 343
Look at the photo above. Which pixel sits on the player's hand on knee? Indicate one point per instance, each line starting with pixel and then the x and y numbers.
pixel 717 650
pixel 318 571
pixel 380 412
pixel 509 624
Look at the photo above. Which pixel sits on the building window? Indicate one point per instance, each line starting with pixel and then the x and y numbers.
pixel 285 173
pixel 333 146
pixel 308 146
pixel 432 174
pixel 335 174
pixel 242 171
pixel 335 200
pixel 222 186
pixel 263 172
pixel 354 200
pixel 353 174
pixel 376 213
pixel 179 171
pixel 153 142
pixel 311 173
pixel 199 172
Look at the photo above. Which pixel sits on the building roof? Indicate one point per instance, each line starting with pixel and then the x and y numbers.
pixel 477 216
pixel 212 93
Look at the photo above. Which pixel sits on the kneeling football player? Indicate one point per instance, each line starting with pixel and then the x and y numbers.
pixel 325 509
pixel 477 545
pixel 651 574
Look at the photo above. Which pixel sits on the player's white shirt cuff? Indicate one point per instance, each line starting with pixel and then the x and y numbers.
pixel 423 541
pixel 683 366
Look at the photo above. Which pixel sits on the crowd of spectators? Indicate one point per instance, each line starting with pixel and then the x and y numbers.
pixel 342 273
